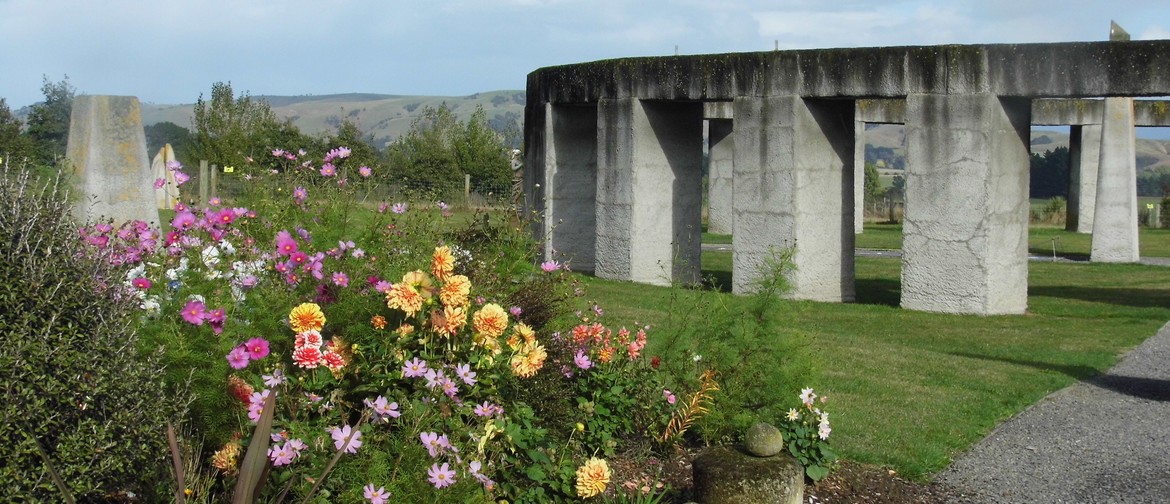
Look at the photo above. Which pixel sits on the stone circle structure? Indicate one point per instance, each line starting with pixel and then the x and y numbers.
pixel 614 158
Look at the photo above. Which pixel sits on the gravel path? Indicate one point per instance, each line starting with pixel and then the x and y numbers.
pixel 1104 440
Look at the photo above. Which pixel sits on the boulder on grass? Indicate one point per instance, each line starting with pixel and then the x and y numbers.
pixel 727 475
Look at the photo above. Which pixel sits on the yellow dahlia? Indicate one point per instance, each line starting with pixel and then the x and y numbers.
pixel 592 478
pixel 490 321
pixel 421 283
pixel 529 360
pixel 449 321
pixel 306 317
pixel 442 263
pixel 455 291
pixel 227 458
pixel 403 296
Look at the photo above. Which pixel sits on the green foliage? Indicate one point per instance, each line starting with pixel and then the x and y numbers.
pixel 48 123
pixel 873 184
pixel 70 373
pixel 438 151
pixel 180 138
pixel 15 147
pixel 756 357
pixel 1053 212
pixel 230 129
pixel 1049 174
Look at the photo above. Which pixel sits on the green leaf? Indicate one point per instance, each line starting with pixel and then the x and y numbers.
pixel 535 473
pixel 816 472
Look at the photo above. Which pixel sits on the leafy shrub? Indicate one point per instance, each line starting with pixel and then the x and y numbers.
pixel 75 390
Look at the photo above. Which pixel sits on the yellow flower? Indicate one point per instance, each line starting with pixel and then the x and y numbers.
pixel 403 296
pixel 490 321
pixel 529 360
pixel 227 457
pixel 592 478
pixel 525 332
pixel 455 291
pixel 421 283
pixel 306 317
pixel 449 321
pixel 442 263
pixel 405 330
pixel 379 322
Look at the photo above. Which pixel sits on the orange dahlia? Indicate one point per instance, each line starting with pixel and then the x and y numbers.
pixel 592 478
pixel 490 321
pixel 306 317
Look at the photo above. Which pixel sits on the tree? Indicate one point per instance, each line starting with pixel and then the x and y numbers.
pixel 14 146
pixel 48 123
pixel 160 134
pixel 438 151
pixel 230 129
pixel 1049 174
pixel 481 153
pixel 873 184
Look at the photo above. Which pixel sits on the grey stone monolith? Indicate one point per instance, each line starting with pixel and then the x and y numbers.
pixel 1084 154
pixel 965 237
pixel 794 188
pixel 720 162
pixel 649 190
pixel 107 148
pixel 570 181
pixel 1115 222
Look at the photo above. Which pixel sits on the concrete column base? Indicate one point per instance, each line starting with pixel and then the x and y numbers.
pixel 794 188
pixel 570 179
pixel 965 237
pixel 649 191
pixel 1084 153
pixel 720 190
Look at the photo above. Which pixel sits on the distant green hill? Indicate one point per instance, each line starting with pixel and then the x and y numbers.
pixel 384 116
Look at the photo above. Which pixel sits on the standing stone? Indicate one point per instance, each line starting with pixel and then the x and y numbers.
pixel 1115 229
pixel 1084 152
pixel 107 148
pixel 168 195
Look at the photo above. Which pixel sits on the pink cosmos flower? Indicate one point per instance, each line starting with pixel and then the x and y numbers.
pixel 340 435
pixel 300 195
pixel 487 409
pixel 441 476
pixel 238 357
pixel 383 409
pixel 159 183
pixel 328 170
pixel 515 311
pixel 257 348
pixel 430 440
pixel 550 266
pixel 281 455
pixel 183 220
pixel 181 178
pixel 582 360
pixel 365 171
pixel 214 202
pixel 285 243
pixel 670 398
pixel 378 496
pixel 340 279
pixel 141 283
pixel 398 208
pixel 414 368
pixel 464 372
pixel 194 312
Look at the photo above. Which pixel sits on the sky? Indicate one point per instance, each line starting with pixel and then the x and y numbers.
pixel 172 51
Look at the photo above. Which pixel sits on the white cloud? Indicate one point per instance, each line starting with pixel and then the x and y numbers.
pixel 1154 33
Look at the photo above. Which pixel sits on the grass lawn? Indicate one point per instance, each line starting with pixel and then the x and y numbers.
pixel 1151 242
pixel 911 390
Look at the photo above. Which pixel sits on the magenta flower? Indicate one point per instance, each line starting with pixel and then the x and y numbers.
pixel 582 360
pixel 515 311
pixel 159 183
pixel 141 283
pixel 441 476
pixel 550 266
pixel 365 171
pixel 257 348
pixel 328 170
pixel 238 357
pixel 378 496
pixel 216 318
pixel 669 396
pixel 181 178
pixel 340 279
pixel 340 435
pixel 183 220
pixel 195 312
pixel 300 195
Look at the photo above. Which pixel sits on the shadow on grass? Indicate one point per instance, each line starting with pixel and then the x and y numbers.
pixel 1152 389
pixel 878 291
pixel 717 280
pixel 1138 298
pixel 1071 256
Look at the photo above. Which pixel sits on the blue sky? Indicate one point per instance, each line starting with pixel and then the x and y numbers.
pixel 170 51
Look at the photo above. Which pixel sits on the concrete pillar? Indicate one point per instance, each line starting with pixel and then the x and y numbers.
pixel 858 177
pixel 794 188
pixel 1115 223
pixel 571 185
pixel 1084 153
pixel 649 190
pixel 720 159
pixel 965 237
pixel 107 148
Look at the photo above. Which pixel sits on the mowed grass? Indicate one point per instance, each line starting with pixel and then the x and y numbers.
pixel 912 390
pixel 1152 242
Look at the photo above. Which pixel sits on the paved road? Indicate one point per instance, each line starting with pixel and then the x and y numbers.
pixel 1103 440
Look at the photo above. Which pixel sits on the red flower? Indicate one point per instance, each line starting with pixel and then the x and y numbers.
pixel 655 362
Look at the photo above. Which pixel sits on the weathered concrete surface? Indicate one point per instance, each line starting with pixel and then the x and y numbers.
pixel 1115 223
pixel 966 223
pixel 794 188
pixel 167 195
pixel 107 148
pixel 1084 154
pixel 649 191
pixel 724 475
pixel 858 176
pixel 721 186
pixel 1069 69
pixel 571 180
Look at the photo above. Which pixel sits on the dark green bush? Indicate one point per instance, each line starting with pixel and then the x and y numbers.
pixel 70 373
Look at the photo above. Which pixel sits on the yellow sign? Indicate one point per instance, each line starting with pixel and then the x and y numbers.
pixel 229 169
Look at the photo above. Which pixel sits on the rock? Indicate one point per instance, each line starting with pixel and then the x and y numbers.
pixel 764 440
pixel 725 475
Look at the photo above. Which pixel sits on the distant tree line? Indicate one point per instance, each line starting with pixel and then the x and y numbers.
pixel 40 140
